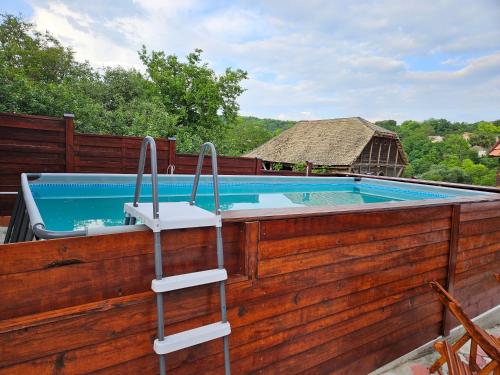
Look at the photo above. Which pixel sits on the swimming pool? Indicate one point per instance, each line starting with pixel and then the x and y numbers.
pixel 76 202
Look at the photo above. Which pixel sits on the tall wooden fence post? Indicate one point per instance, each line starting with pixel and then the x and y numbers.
pixel 258 166
pixel 452 264
pixel 171 154
pixel 70 137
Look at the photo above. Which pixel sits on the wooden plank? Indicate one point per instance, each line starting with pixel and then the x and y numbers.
pixel 24 161
pixel 481 214
pixel 304 244
pixel 278 229
pixel 473 255
pixel 419 246
pixel 475 275
pixel 47 254
pixel 13 121
pixel 480 206
pixel 17 169
pixel 469 228
pixel 21 135
pixel 493 256
pixel 466 243
pixel 27 147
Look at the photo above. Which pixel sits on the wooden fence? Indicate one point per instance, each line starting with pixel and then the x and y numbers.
pixel 186 164
pixel 336 292
pixel 49 144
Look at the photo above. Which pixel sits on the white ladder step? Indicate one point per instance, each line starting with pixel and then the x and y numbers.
pixel 192 337
pixel 188 280
pixel 173 215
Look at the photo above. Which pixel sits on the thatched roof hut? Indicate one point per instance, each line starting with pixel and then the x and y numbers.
pixel 352 144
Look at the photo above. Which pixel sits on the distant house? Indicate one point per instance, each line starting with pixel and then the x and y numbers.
pixel 495 153
pixel 435 138
pixel 345 145
pixel 481 151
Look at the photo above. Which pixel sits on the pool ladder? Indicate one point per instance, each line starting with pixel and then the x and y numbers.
pixel 176 215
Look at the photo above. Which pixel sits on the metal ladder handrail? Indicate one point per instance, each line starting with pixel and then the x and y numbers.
pixel 148 141
pixel 215 177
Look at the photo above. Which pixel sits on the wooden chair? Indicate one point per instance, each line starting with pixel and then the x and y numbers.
pixel 455 364
pixel 478 337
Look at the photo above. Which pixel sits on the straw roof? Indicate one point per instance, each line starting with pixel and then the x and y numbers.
pixel 495 151
pixel 322 142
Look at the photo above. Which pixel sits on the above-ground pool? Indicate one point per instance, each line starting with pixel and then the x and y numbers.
pixel 68 202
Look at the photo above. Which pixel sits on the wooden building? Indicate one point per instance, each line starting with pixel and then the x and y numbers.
pixel 495 153
pixel 344 145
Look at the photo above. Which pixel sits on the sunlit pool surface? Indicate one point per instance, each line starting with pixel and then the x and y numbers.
pixel 71 206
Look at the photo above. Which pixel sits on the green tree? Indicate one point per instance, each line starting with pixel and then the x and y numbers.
pixel 201 101
pixel 391 125
pixel 482 139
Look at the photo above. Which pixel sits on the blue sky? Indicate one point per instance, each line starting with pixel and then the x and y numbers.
pixel 306 59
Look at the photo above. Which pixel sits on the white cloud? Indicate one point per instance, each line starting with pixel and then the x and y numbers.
pixel 384 59
pixel 77 31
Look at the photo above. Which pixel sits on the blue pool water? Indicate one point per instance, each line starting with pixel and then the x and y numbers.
pixel 70 206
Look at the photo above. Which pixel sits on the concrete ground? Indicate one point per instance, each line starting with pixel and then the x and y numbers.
pixel 419 361
pixel 3 230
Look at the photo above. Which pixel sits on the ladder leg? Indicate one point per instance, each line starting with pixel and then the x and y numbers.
pixel 222 294
pixel 159 298
pixel 161 334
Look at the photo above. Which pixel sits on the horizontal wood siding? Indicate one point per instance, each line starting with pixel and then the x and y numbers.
pixel 38 144
pixel 28 144
pixel 478 258
pixel 186 164
pixel 114 154
pixel 337 293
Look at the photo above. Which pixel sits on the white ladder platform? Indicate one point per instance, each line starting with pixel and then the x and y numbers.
pixel 192 337
pixel 173 215
pixel 188 280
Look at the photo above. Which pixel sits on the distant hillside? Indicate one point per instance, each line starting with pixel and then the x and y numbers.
pixel 267 123
pixel 442 150
pixel 250 132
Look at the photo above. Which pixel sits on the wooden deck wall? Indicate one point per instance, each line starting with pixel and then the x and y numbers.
pixel 336 293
